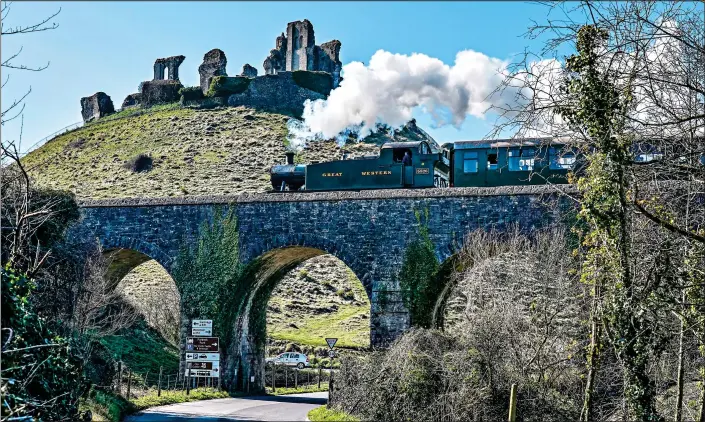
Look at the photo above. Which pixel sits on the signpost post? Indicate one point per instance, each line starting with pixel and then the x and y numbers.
pixel 202 351
pixel 331 343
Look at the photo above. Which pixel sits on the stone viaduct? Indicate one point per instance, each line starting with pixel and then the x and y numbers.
pixel 368 230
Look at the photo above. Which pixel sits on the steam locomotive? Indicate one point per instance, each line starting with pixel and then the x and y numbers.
pixel 458 164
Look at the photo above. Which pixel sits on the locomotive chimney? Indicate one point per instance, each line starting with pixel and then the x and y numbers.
pixel 290 157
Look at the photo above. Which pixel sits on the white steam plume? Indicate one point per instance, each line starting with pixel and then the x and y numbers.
pixel 392 85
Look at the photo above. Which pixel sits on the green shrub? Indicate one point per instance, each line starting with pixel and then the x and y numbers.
pixel 321 82
pixel 324 414
pixel 222 86
pixel 34 379
pixel 110 406
pixel 191 93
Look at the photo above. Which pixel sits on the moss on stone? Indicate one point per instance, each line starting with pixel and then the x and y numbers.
pixel 222 86
pixel 320 82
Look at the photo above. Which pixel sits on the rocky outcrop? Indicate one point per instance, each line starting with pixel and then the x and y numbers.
pixel 96 106
pixel 214 63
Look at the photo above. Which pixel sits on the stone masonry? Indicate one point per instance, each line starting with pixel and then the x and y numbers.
pixel 368 230
pixel 297 50
pixel 168 66
pixel 96 106
pixel 249 71
pixel 214 63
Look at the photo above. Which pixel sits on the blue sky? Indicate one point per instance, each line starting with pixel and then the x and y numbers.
pixel 111 46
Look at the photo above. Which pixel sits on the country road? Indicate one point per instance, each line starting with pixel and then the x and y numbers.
pixel 292 407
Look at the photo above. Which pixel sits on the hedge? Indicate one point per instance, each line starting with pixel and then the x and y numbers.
pixel 222 86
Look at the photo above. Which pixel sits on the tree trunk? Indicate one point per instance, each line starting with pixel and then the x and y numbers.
pixel 592 359
pixel 681 370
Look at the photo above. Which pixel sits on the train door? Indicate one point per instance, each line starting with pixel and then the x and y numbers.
pixel 408 175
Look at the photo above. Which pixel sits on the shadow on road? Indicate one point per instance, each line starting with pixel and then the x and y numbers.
pixel 290 399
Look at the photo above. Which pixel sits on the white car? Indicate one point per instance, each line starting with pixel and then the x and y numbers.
pixel 298 360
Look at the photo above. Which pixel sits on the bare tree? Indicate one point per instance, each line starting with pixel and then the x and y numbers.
pixel 632 102
pixel 16 108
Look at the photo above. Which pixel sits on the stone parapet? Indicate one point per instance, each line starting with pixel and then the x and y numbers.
pixel 331 196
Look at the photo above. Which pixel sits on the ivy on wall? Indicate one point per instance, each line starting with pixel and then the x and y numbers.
pixel 208 273
pixel 417 277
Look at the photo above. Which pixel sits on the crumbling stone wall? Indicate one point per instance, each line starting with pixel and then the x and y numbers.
pixel 214 63
pixel 170 65
pixel 132 100
pixel 249 71
pixel 275 93
pixel 160 91
pixel 297 50
pixel 96 106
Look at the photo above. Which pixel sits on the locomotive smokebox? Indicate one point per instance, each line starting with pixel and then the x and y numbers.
pixel 290 157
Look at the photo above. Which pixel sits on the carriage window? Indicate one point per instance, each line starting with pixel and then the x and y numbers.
pixel 560 161
pixel 521 159
pixel 470 162
pixel 492 161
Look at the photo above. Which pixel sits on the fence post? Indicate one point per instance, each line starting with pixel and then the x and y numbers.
pixel 188 381
pixel 274 377
pixel 330 386
pixel 319 376
pixel 513 404
pixel 129 382
pixel 159 383
pixel 286 376
pixel 119 377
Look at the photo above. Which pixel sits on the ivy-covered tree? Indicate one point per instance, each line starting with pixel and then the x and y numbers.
pixel 208 273
pixel 417 278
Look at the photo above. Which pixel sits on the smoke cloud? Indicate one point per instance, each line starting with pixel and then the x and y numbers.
pixel 388 90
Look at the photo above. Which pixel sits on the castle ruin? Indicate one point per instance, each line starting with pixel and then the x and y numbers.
pixel 296 50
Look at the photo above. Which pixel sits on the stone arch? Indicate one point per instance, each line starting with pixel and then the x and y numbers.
pixel 125 253
pixel 321 243
pixel 271 261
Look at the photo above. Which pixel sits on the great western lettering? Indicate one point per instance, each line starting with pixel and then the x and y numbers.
pixel 331 174
pixel 376 173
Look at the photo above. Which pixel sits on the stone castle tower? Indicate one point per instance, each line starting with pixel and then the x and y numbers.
pixel 297 50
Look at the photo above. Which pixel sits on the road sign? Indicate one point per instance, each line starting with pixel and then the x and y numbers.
pixel 331 342
pixel 201 331
pixel 212 373
pixel 203 365
pixel 202 323
pixel 210 357
pixel 331 354
pixel 202 344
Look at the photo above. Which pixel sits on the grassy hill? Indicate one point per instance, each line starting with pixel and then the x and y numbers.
pixel 210 152
pixel 193 153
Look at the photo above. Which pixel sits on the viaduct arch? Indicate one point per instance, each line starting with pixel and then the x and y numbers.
pixel 367 230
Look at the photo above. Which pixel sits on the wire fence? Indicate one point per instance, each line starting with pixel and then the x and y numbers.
pixel 66 129
pixel 132 385
pixel 284 376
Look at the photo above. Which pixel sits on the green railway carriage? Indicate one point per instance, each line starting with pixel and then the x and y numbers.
pixel 458 164
pixel 386 171
pixel 508 162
